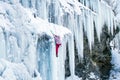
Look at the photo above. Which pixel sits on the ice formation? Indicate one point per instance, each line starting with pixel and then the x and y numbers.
pixel 28 40
pixel 15 71
pixel 76 17
pixel 26 28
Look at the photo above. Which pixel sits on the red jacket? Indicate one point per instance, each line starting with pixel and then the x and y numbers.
pixel 58 43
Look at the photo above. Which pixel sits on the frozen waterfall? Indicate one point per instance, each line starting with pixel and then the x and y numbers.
pixel 26 26
pixel 76 16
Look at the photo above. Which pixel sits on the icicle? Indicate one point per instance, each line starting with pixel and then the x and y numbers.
pixel 108 19
pixel 56 13
pixel 2 45
pixel 87 3
pixel 79 36
pixel 71 56
pixel 33 3
pixel 112 22
pixel 42 9
pixel 98 21
pixel 25 3
pixel 54 61
pixel 105 17
pixel 80 41
pixel 97 27
pixel 90 28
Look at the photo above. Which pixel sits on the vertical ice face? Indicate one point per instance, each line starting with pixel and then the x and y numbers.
pixel 106 19
pixel 61 60
pixel 89 28
pixel 44 57
pixel 87 15
pixel 71 56
pixel 2 44
pixel 14 50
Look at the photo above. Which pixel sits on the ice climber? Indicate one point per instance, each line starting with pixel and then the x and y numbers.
pixel 57 43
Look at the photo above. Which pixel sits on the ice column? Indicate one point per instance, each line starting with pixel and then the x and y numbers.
pixel 2 44
pixel 71 56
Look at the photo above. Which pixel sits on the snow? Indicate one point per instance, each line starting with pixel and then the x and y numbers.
pixel 115 72
pixel 15 71
pixel 92 75
pixel 115 59
pixel 71 6
pixel 73 78
pixel 115 50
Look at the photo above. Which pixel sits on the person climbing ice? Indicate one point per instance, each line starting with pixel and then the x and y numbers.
pixel 57 43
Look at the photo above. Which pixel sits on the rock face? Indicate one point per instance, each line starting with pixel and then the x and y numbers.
pixel 96 61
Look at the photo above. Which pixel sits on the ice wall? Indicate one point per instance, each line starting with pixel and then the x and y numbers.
pixel 2 44
pixel 76 15
pixel 83 16
pixel 21 34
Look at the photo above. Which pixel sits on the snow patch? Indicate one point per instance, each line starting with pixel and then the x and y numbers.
pixel 74 78
pixel 115 50
pixel 14 71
